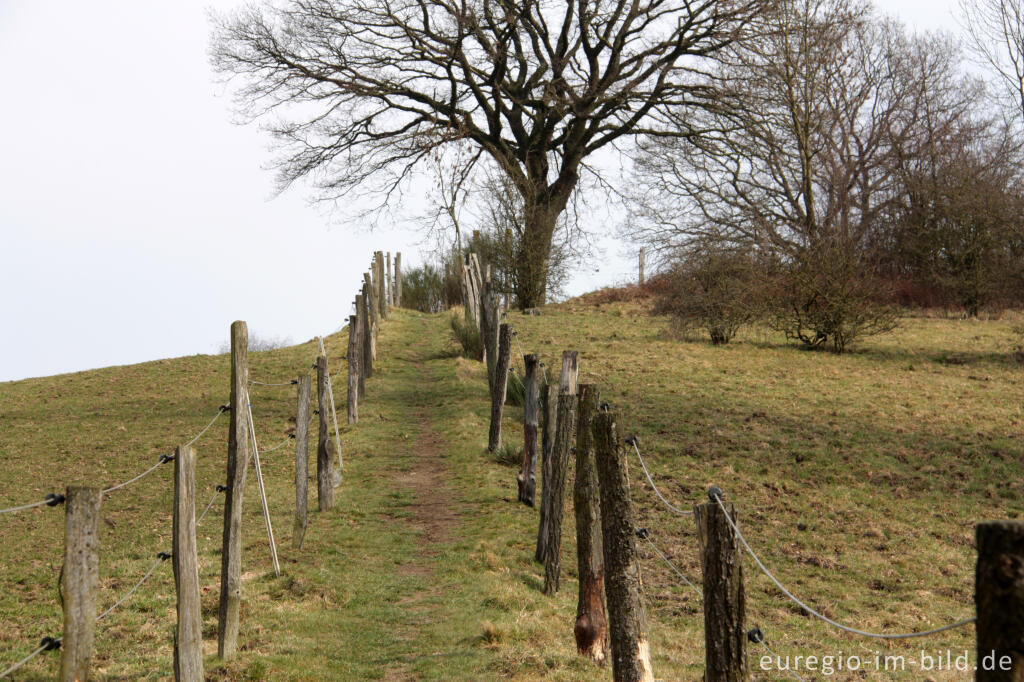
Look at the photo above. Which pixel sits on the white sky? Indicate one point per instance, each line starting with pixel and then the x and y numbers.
pixel 136 221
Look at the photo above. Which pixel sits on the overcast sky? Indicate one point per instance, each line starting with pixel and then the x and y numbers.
pixel 137 221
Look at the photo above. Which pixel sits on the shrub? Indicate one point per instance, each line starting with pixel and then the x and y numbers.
pixel 714 289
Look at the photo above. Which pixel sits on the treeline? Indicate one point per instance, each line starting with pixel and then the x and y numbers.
pixel 846 167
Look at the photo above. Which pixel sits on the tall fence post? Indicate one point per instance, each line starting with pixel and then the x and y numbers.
pixel 389 283
pixel 564 431
pixel 527 478
pixel 188 640
pixel 324 447
pixel 353 356
pixel 591 626
pixel 381 291
pixel 366 340
pixel 627 620
pixel 549 408
pixel 489 331
pixel 643 264
pixel 725 639
pixel 374 317
pixel 301 461
pixel 398 279
pixel 500 386
pixel 81 577
pixel 999 600
pixel 238 462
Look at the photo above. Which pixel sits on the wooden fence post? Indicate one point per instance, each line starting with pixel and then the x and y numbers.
pixel 725 638
pixel 238 462
pixel 489 331
pixel 365 340
pixel 325 446
pixel 389 284
pixel 570 372
pixel 398 279
pixel 188 640
pixel 81 577
pixel 566 424
pixel 627 620
pixel 301 461
pixel 643 264
pixel 500 386
pixel 381 292
pixel 999 600
pixel 549 407
pixel 527 478
pixel 591 626
pixel 353 355
pixel 374 317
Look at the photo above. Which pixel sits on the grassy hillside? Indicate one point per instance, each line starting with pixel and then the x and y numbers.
pixel 858 478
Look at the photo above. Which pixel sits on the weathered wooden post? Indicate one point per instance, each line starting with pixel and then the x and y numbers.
pixel 489 331
pixel 325 446
pixel 643 263
pixel 188 639
pixel 238 462
pixel 398 279
pixel 354 357
pixel 566 424
pixel 500 386
pixel 999 600
pixel 627 619
pixel 81 577
pixel 381 292
pixel 301 461
pixel 371 301
pixel 725 638
pixel 527 478
pixel 591 626
pixel 365 340
pixel 549 409
pixel 389 284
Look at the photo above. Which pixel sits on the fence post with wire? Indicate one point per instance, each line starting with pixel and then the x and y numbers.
pixel 562 443
pixel 725 651
pixel 188 637
pixel 999 600
pixel 301 461
pixel 324 485
pixel 591 625
pixel 353 356
pixel 627 618
pixel 499 387
pixel 238 462
pixel 80 579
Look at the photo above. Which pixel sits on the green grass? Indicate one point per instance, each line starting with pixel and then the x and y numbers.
pixel 858 478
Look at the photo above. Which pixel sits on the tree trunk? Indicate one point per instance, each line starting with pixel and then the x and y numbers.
pixel 999 599
pixel 591 628
pixel 533 256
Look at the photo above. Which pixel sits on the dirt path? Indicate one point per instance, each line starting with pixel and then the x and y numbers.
pixel 430 513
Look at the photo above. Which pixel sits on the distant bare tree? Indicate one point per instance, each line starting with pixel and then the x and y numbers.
pixel 996 36
pixel 365 90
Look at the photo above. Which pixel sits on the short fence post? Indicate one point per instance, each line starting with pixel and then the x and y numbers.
pixel 325 446
pixel 566 424
pixel 643 263
pixel 527 478
pixel 725 639
pixel 238 462
pixel 499 388
pixel 81 577
pixel 999 600
pixel 365 340
pixel 591 626
pixel 398 279
pixel 301 461
pixel 627 620
pixel 353 357
pixel 549 406
pixel 188 640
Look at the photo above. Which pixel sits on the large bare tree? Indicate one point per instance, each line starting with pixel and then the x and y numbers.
pixel 364 90
pixel 995 30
